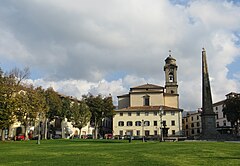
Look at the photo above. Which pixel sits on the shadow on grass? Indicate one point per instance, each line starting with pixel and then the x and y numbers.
pixel 224 158
pixel 103 141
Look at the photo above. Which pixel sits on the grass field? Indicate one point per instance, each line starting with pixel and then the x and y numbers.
pixel 114 152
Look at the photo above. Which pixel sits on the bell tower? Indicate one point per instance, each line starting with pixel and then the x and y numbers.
pixel 170 69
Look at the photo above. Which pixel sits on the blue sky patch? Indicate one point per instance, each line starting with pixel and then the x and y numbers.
pixel 233 68
pixel 116 75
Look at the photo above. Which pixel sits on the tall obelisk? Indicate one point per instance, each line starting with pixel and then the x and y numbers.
pixel 208 116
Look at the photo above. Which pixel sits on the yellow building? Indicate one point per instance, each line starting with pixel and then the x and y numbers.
pixel 151 110
pixel 192 124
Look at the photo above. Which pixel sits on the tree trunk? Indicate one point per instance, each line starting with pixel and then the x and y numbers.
pixel 26 132
pixel 80 133
pixel 96 131
pixel 9 136
pixel 3 134
pixel 95 128
pixel 46 128
pixel 62 126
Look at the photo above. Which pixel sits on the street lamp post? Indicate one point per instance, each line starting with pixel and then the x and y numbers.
pixel 238 127
pixel 143 131
pixel 39 128
pixel 161 122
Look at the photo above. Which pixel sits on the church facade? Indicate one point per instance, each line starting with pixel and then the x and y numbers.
pixel 151 110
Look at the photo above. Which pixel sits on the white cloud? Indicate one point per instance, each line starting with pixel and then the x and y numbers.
pixel 78 44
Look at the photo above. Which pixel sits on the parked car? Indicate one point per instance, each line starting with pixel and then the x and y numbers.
pixel 20 137
pixel 137 137
pixel 128 137
pixel 108 136
pixel 89 136
pixel 74 137
pixel 57 136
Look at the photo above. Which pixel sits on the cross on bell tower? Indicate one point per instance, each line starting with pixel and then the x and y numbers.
pixel 170 69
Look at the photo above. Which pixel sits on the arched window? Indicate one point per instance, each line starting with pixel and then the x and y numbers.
pixel 146 123
pixel 129 123
pixel 138 123
pixel 120 123
pixel 171 78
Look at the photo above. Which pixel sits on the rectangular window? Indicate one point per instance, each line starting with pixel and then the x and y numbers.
pixel 173 132
pixel 217 124
pixel 198 131
pixel 147 132
pixel 164 123
pixel 146 101
pixel 224 123
pixel 172 112
pixel 138 132
pixel 173 122
pixel 146 113
pixel 155 123
pixel 192 131
pixel 129 114
pixel 155 132
pixel 138 113
pixel 155 113
pixel 129 132
pixel 198 124
pixel 197 117
pixel 121 132
pixel 192 118
pixel 224 116
pixel 121 114
pixel 216 108
pixel 192 125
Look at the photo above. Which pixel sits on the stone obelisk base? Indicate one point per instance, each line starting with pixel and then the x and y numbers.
pixel 209 131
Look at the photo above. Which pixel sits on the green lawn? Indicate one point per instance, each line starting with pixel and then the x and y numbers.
pixel 113 152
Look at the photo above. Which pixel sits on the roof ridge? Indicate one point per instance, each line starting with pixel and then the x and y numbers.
pixel 147 85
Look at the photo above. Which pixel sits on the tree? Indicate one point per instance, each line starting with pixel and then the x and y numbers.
pixel 81 115
pixel 54 103
pixel 95 105
pixel 42 107
pixel 7 89
pixel 25 111
pixel 100 108
pixel 65 112
pixel 30 103
pixel 108 109
pixel 19 74
pixel 232 110
pixel 108 106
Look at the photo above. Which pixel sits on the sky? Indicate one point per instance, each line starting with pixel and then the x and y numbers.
pixel 106 47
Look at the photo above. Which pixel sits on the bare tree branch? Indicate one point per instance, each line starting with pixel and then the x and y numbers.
pixel 19 74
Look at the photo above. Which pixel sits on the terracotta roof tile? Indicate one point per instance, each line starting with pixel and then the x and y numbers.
pixel 148 86
pixel 125 95
pixel 147 108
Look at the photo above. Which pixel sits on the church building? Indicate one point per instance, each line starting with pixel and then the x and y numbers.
pixel 151 110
